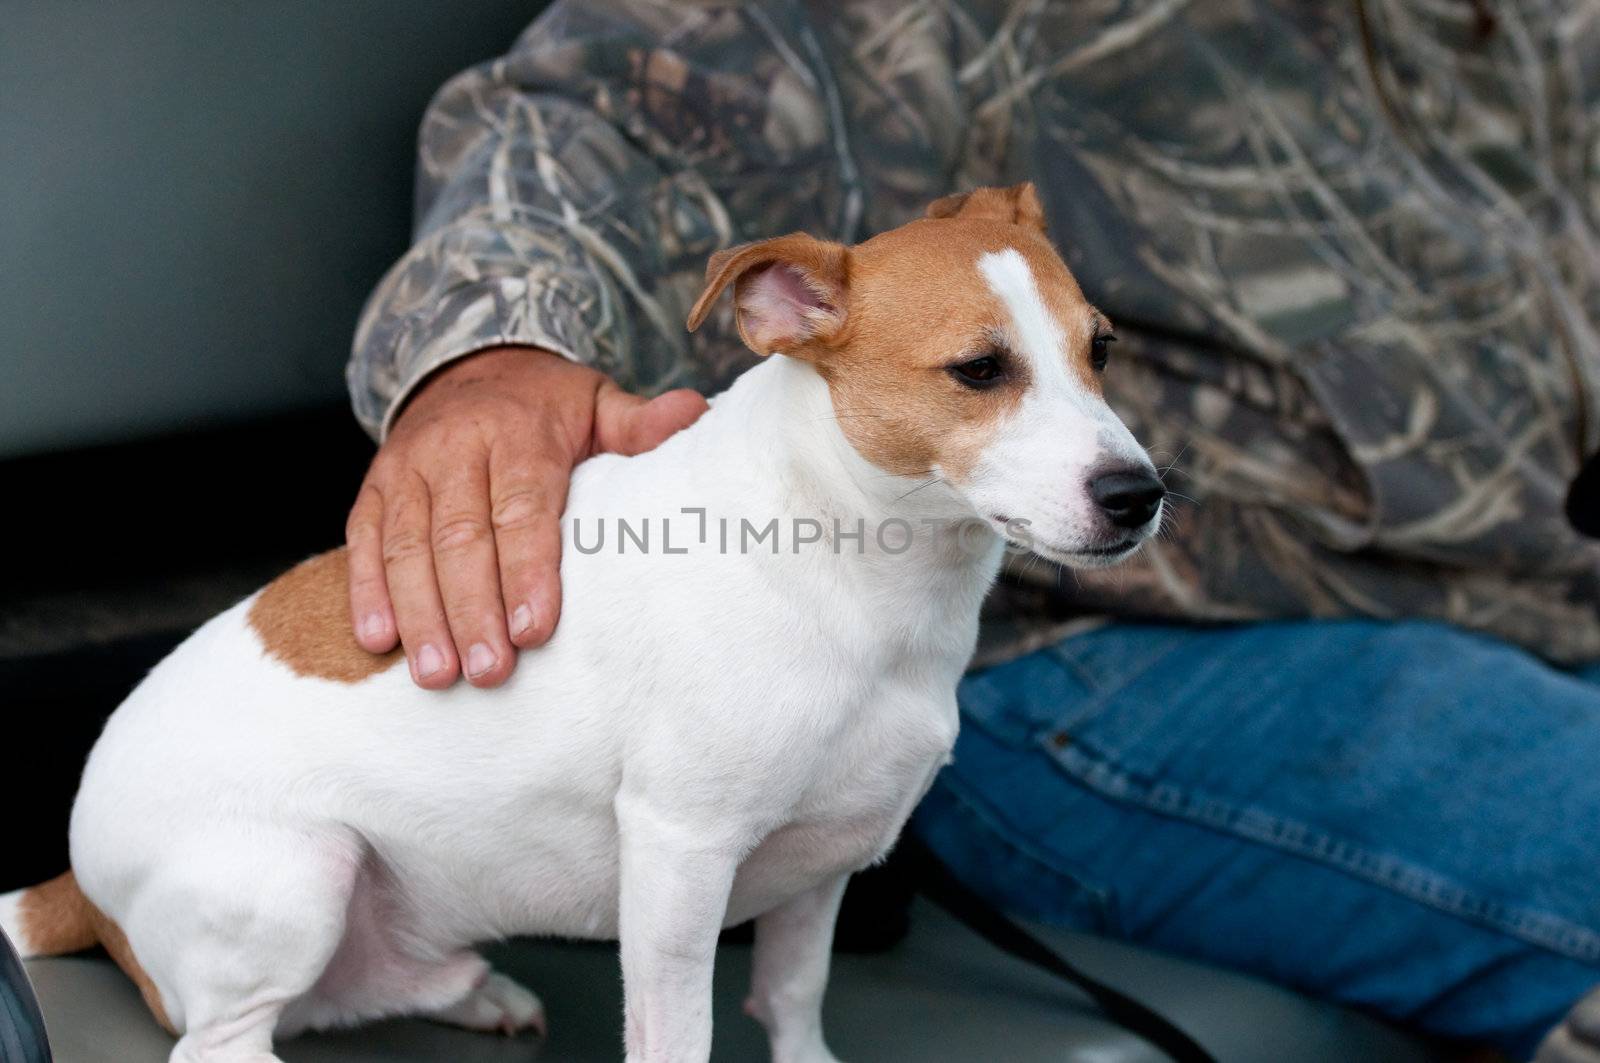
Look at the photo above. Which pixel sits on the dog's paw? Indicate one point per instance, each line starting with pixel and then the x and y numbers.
pixel 790 1046
pixel 813 1054
pixel 497 1005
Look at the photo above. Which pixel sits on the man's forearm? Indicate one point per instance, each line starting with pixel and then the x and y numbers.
pixel 502 258
pixel 540 224
pixel 569 194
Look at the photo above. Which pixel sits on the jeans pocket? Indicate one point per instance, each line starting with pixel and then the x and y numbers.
pixel 1062 687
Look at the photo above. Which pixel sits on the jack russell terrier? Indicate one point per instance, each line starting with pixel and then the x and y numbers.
pixel 279 832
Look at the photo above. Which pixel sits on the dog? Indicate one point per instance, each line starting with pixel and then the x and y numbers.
pixel 279 832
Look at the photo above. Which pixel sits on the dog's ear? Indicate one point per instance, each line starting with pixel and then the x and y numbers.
pixel 1018 205
pixel 788 292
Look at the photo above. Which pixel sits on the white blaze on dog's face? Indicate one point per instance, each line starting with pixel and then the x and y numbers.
pixel 960 347
pixel 1062 460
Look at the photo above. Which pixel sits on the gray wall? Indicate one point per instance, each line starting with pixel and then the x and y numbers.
pixel 196 195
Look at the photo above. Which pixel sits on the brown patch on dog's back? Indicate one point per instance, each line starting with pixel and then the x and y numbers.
pixel 303 620
pixel 57 919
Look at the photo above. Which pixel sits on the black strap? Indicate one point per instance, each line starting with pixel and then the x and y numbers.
pixel 1583 498
pixel 936 882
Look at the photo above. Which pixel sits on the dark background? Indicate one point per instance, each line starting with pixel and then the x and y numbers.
pixel 195 198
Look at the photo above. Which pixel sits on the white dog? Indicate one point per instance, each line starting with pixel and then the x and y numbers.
pixel 752 685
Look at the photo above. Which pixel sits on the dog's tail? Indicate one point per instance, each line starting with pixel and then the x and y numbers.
pixel 50 919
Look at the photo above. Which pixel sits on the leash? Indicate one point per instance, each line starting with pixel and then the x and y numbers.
pixel 935 882
pixel 1583 498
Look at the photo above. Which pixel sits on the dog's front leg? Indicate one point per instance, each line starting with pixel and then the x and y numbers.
pixel 676 876
pixel 790 972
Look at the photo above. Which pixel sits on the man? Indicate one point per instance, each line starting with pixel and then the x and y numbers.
pixel 1352 253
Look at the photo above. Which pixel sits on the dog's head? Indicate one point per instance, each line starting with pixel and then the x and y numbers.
pixel 959 346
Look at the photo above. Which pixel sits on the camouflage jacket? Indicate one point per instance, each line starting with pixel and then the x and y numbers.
pixel 1352 251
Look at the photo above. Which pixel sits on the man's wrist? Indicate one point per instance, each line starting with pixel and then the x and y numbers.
pixel 469 368
pixel 489 360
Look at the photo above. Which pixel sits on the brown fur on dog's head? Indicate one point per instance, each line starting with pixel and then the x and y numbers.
pixel 883 322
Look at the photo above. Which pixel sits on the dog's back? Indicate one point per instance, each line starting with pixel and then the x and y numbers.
pixel 271 714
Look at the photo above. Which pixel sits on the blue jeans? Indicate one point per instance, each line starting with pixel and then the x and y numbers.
pixel 1402 817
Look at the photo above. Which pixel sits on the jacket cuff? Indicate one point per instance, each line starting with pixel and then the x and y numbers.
pixel 474 317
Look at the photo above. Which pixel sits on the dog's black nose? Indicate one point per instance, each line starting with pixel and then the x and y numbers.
pixel 1129 497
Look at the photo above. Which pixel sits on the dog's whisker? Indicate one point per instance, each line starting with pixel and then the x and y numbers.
pixel 852 415
pixel 1162 474
pixel 914 490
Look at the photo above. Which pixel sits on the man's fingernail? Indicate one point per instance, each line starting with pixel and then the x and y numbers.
pixel 521 620
pixel 372 625
pixel 480 659
pixel 429 661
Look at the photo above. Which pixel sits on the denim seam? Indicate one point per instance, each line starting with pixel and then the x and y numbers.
pixel 1016 738
pixel 1103 687
pixel 994 823
pixel 1402 877
pixel 1099 691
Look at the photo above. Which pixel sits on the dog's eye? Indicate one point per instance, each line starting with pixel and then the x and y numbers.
pixel 1100 350
pixel 980 373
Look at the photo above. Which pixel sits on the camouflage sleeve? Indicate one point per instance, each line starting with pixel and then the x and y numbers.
pixel 569 193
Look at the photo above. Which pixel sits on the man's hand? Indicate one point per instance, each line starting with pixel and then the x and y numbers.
pixel 455 538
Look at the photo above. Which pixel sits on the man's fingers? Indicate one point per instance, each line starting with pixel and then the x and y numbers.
pixel 371 615
pixel 455 542
pixel 465 559
pixel 528 491
pixel 414 587
pixel 627 424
